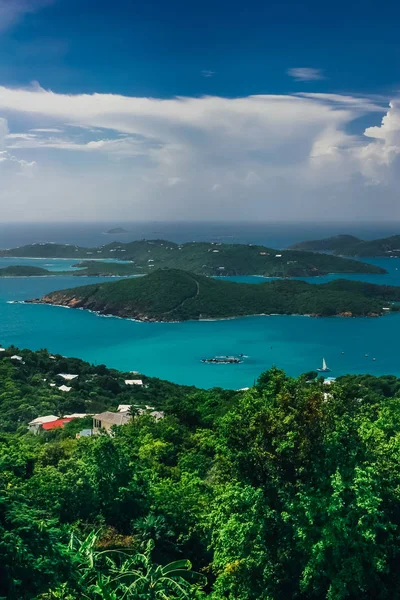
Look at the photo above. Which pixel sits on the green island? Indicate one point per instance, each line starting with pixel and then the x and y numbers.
pixel 173 295
pixel 289 489
pixel 210 259
pixel 348 245
pixel 25 271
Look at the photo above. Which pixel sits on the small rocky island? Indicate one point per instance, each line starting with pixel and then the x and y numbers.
pixel 117 230
pixel 174 295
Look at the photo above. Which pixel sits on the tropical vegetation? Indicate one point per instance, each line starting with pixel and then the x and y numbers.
pixel 287 490
pixel 349 245
pixel 199 257
pixel 172 295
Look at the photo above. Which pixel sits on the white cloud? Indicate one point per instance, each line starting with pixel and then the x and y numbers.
pixel 306 74
pixel 11 11
pixel 47 130
pixel 206 73
pixel 171 181
pixel 272 156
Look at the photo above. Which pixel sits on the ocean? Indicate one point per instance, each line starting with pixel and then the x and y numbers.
pixel 174 351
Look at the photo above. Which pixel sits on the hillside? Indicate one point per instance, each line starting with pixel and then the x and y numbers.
pixel 348 245
pixel 172 295
pixel 289 490
pixel 24 271
pixel 197 257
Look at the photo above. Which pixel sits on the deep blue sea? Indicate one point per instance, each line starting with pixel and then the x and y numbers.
pixel 173 350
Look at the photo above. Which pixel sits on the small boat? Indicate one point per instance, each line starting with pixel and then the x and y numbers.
pixel 222 360
pixel 324 368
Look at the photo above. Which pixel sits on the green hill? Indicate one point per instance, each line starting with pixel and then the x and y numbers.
pixel 172 295
pixel 348 245
pixel 197 257
pixel 24 271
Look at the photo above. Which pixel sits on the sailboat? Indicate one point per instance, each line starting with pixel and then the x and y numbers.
pixel 324 369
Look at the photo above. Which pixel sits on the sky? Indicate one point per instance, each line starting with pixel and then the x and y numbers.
pixel 219 111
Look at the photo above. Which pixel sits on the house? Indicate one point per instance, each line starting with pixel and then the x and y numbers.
pixel 329 380
pixel 78 416
pixel 278 255
pixel 16 357
pixel 54 424
pixel 133 382
pixel 36 424
pixel 2 349
pixel 65 388
pixel 106 420
pixel 67 376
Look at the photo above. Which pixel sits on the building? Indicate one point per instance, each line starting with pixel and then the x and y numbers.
pixel 65 388
pixel 67 376
pixel 133 382
pixel 54 424
pixel 35 425
pixel 106 420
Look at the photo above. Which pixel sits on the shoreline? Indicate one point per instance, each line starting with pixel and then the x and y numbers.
pixel 205 320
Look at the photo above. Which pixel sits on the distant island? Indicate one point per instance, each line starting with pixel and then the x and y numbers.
pixel 25 271
pixel 204 258
pixel 173 295
pixel 117 230
pixel 349 245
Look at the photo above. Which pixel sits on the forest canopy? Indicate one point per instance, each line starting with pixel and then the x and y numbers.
pixel 287 490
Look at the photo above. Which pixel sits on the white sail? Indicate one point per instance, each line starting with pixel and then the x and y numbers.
pixel 324 367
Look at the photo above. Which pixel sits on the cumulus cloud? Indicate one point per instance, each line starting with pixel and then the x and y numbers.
pixel 271 156
pixel 306 74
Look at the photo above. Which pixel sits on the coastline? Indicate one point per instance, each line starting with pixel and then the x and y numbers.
pixel 205 320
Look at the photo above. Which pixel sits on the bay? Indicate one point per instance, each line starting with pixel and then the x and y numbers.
pixel 173 351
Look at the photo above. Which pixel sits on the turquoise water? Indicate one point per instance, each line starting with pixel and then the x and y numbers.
pixel 173 350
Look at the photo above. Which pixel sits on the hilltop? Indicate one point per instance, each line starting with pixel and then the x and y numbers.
pixel 198 257
pixel 173 295
pixel 348 245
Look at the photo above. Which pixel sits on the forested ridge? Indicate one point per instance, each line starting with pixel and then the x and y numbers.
pixel 172 295
pixel 199 257
pixel 349 245
pixel 287 490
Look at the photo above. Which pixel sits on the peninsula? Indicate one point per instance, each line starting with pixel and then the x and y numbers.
pixel 349 245
pixel 212 259
pixel 173 295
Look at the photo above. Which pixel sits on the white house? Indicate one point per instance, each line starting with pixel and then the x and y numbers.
pixel 64 388
pixel 67 376
pixel 16 357
pixel 133 382
pixel 36 424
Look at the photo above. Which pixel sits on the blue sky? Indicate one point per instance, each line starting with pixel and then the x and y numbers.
pixel 160 48
pixel 199 110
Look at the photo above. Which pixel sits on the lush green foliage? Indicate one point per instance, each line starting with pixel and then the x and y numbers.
pixel 171 295
pixel 24 271
pixel 26 391
pixel 288 490
pixel 348 245
pixel 197 257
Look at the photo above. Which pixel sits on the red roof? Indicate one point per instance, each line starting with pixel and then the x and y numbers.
pixel 55 424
